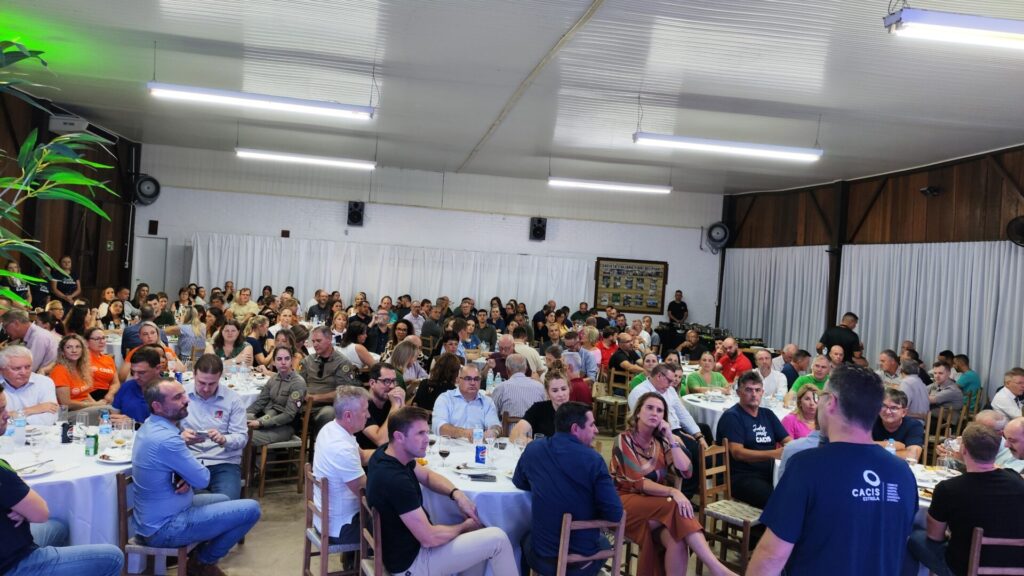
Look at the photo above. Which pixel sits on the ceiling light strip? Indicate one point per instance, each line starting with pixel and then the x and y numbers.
pixel 259 101
pixel 272 156
pixel 726 147
pixel 956 28
pixel 607 186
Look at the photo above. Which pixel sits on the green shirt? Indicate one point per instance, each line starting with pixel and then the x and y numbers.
pixel 807 379
pixel 695 380
pixel 637 380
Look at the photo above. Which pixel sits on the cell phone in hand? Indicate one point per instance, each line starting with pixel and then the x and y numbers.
pixel 202 434
pixel 176 480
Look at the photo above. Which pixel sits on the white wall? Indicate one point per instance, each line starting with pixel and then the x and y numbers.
pixel 182 212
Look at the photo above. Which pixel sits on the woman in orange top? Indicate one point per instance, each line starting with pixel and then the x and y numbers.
pixel 73 375
pixel 104 372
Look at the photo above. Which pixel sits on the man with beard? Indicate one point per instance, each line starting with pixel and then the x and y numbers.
pixel 732 361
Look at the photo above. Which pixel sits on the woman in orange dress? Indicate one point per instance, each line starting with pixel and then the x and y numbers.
pixel 658 517
pixel 72 375
pixel 104 371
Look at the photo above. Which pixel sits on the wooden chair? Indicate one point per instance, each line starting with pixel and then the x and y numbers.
pixel 716 504
pixel 978 541
pixel 316 537
pixel 371 556
pixel 613 405
pixel 295 451
pixel 130 546
pixel 569 525
pixel 967 413
pixel 937 429
pixel 507 422
pixel 924 417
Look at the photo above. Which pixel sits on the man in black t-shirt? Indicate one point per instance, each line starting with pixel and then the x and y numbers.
pixel 985 497
pixel 414 544
pixel 907 433
pixel 20 552
pixel 677 309
pixel 626 358
pixel 385 399
pixel 841 335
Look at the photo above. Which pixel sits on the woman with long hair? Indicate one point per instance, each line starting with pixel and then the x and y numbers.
pixel 191 334
pixel 540 418
pixel 78 320
pixel 659 517
pixel 352 347
pixel 214 321
pixel 339 323
pixel 405 360
pixel 184 301
pixel 105 382
pixel 706 378
pixel 443 375
pixel 56 311
pixel 649 362
pixel 257 337
pixel 72 375
pixel 230 346
pixel 803 419
pixel 266 295
pixel 106 297
pixel 399 331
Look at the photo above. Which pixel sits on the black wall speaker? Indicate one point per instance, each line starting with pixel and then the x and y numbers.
pixel 718 235
pixel 355 213
pixel 1015 230
pixel 145 189
pixel 538 229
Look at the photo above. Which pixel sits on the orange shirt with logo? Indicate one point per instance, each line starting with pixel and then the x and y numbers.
pixel 62 378
pixel 103 370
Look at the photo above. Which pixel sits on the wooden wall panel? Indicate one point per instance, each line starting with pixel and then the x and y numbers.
pixel 975 203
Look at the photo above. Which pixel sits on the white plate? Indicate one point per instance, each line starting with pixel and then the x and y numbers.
pixel 115 457
pixel 38 471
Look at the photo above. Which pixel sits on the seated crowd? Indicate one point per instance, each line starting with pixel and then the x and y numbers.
pixel 381 381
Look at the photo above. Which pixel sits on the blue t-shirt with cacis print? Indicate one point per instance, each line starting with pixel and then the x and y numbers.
pixel 847 509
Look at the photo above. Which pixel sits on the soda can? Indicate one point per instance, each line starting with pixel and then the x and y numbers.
pixel 179 377
pixel 65 433
pixel 92 444
pixel 481 454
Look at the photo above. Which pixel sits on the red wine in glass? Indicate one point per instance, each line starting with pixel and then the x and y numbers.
pixel 444 453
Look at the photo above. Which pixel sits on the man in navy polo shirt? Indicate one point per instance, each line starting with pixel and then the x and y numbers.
pixel 847 507
pixel 755 438
pixel 130 402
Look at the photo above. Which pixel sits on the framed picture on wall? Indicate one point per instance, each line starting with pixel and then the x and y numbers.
pixel 632 286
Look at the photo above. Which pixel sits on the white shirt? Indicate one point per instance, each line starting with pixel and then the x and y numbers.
pixel 417 322
pixel 532 358
pixel 337 458
pixel 678 416
pixel 37 390
pixel 778 362
pixel 1005 402
pixel 772 382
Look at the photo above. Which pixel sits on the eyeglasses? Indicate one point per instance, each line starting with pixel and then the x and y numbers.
pixel 387 381
pixel 890 408
pixel 471 379
pixel 97 338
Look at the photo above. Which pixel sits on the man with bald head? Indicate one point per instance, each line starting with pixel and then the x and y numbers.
pixel 836 355
pixel 1013 434
pixel 732 362
pixel 788 351
pixel 519 392
pixel 626 357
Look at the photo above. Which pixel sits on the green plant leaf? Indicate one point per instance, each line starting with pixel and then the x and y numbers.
pixel 79 137
pixel 11 58
pixel 12 295
pixel 61 150
pixel 69 177
pixel 25 277
pixel 27 148
pixel 65 194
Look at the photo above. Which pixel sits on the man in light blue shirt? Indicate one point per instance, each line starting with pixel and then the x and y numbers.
pixel 215 428
pixel 458 412
pixel 167 513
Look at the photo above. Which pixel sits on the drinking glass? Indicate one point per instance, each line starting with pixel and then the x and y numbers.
pixel 81 428
pixel 444 450
pixel 123 432
pixel 62 414
pixel 37 443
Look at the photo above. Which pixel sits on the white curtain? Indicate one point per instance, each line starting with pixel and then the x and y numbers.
pixel 777 294
pixel 965 297
pixel 381 269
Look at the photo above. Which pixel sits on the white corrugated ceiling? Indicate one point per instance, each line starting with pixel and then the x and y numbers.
pixel 751 70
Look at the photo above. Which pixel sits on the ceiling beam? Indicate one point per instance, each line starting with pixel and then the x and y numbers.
pixel 521 89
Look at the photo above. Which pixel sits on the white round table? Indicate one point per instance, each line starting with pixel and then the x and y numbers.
pixel 707 412
pixel 498 503
pixel 81 491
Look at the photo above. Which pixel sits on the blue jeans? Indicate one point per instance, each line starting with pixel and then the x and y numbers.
pixel 225 479
pixel 928 552
pixel 214 520
pixel 52 558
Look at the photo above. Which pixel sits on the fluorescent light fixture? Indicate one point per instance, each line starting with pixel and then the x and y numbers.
pixel 956 28
pixel 607 186
pixel 259 101
pixel 727 147
pixel 305 159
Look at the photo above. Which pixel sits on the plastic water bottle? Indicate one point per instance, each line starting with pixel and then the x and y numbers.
pixel 19 428
pixel 490 380
pixel 780 394
pixel 890 446
pixel 478 435
pixel 498 379
pixel 106 431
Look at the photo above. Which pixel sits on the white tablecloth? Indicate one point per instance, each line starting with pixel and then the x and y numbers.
pixel 705 412
pixel 498 503
pixel 81 492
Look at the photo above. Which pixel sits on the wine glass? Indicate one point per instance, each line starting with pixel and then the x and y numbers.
pixel 432 441
pixel 444 450
pixel 37 443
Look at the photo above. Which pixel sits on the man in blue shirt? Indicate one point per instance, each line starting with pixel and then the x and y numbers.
pixel 130 400
pixel 579 484
pixel 215 429
pixel 458 412
pixel 845 508
pixel 756 438
pixel 167 514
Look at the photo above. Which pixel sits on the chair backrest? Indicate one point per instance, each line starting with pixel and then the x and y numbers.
pixel 369 534
pixel 507 422
pixel 124 510
pixel 569 525
pixel 713 475
pixel 942 429
pixel 978 541
pixel 324 509
pixel 618 381
pixel 428 345
pixel 924 417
